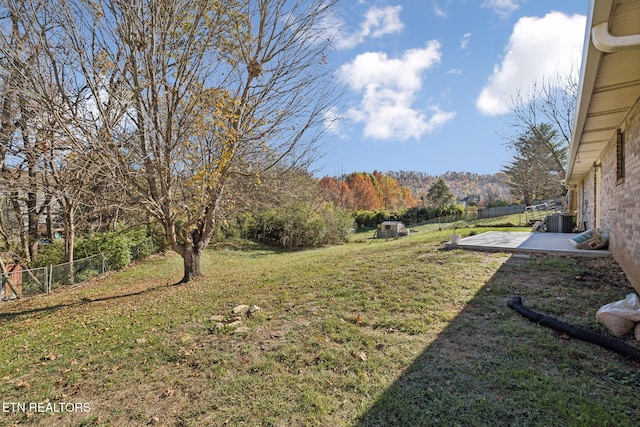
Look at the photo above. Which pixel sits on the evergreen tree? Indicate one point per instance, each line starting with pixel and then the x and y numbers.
pixel 439 194
pixel 537 168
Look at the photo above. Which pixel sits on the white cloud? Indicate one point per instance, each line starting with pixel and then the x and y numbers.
pixel 464 42
pixel 538 48
pixel 438 11
pixel 377 22
pixel 503 8
pixel 389 87
pixel 331 119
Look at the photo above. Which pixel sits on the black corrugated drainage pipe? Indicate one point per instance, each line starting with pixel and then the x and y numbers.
pixel 606 341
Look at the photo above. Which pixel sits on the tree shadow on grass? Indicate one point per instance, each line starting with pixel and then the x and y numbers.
pixel 492 367
pixel 11 315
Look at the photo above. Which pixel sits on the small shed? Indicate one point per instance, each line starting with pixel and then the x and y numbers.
pixel 15 274
pixel 390 229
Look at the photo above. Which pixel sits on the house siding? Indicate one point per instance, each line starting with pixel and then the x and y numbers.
pixel 619 210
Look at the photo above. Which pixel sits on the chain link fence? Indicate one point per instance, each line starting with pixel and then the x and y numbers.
pixel 42 280
pixel 526 216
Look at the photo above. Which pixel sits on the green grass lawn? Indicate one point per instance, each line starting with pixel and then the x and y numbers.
pixel 371 333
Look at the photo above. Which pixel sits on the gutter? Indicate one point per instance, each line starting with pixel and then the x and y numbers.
pixel 605 42
pixel 598 12
pixel 597 42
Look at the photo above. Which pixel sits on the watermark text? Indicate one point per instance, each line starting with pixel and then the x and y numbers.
pixel 44 407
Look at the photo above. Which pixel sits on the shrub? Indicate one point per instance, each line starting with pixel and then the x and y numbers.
pixel 122 247
pixel 422 214
pixel 372 218
pixel 145 241
pixel 299 225
pixel 50 254
pixel 114 245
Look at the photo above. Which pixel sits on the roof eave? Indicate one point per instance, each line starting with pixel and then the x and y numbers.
pixel 599 12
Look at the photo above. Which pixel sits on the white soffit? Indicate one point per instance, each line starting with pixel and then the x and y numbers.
pixel 609 81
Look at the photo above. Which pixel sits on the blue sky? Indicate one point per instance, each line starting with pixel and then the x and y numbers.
pixel 429 83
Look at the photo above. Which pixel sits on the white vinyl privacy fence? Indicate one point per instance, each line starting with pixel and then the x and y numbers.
pixel 35 281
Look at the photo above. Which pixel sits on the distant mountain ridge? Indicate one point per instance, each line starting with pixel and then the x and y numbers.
pixel 461 184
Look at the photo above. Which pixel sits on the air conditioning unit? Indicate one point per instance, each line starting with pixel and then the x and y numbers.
pixel 559 223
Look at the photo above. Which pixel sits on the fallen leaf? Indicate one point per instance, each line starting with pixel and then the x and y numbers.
pixel 362 356
pixel 168 393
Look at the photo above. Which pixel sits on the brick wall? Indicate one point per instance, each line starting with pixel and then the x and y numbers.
pixel 586 202
pixel 609 194
pixel 620 201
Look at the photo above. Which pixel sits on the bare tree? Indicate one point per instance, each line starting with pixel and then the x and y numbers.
pixel 550 102
pixel 55 123
pixel 181 97
pixel 22 167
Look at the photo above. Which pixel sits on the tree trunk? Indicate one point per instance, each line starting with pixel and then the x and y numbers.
pixel 3 229
pixel 24 237
pixel 49 223
pixel 32 226
pixel 69 238
pixel 191 259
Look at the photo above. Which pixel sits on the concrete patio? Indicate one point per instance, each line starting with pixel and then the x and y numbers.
pixel 525 243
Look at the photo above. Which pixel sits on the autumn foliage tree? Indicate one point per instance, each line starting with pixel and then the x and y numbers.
pixel 180 98
pixel 367 191
pixel 336 191
pixel 391 195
